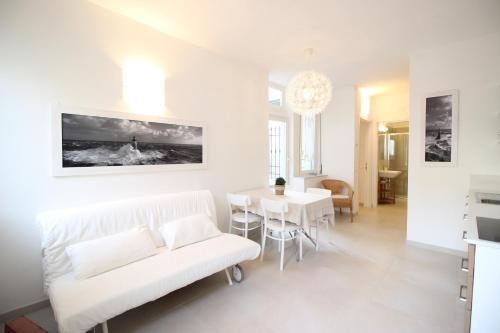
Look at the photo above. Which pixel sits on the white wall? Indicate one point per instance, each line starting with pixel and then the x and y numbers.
pixel 436 194
pixel 338 135
pixel 72 52
pixel 390 106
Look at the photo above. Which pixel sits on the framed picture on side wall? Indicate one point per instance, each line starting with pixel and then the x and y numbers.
pixel 441 128
pixel 90 141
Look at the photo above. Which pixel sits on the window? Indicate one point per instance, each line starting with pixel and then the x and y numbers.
pixel 307 143
pixel 392 145
pixel 277 149
pixel 275 97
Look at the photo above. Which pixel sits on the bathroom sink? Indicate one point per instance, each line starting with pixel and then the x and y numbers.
pixel 389 173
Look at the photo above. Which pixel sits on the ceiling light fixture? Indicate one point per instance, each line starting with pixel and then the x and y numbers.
pixel 308 92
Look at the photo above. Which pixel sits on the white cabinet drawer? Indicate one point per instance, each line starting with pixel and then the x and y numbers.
pixel 486 300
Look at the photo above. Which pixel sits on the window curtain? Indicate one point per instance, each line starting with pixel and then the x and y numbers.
pixel 307 142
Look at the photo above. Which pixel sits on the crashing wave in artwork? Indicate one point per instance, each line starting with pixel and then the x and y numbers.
pixel 438 148
pixel 91 153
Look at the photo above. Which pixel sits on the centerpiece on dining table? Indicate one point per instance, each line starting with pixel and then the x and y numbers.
pixel 279 186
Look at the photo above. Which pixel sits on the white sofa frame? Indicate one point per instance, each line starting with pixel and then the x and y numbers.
pixel 62 228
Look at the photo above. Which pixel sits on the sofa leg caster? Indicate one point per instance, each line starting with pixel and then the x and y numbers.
pixel 105 327
pixel 228 278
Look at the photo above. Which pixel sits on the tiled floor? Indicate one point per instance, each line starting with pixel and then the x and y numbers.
pixel 368 281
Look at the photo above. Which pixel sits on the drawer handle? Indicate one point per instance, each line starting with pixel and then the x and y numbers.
pixel 466 217
pixel 462 265
pixel 464 234
pixel 460 296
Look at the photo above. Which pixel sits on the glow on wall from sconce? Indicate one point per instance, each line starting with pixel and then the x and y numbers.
pixel 144 87
pixel 365 94
pixel 365 106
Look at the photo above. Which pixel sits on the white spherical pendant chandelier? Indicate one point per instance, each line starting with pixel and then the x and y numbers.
pixel 308 92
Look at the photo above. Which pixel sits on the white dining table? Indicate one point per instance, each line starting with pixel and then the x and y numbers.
pixel 303 208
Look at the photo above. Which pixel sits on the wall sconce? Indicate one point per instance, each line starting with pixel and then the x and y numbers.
pixel 143 87
pixel 382 128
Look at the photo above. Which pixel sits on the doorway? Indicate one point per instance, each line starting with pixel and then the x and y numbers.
pixel 364 164
pixel 277 143
pixel 392 161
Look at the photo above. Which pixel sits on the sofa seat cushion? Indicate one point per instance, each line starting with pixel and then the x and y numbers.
pixel 341 201
pixel 79 305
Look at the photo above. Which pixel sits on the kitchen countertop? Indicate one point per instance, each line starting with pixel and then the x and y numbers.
pixel 480 185
pixel 482 242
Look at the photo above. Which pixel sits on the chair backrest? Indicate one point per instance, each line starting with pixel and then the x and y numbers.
pixel 320 191
pixel 272 208
pixel 337 186
pixel 238 201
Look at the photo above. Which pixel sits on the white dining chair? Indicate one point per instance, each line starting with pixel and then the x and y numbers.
pixel 286 230
pixel 240 218
pixel 323 219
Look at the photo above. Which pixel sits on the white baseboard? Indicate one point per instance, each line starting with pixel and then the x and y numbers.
pixel 436 248
pixel 4 317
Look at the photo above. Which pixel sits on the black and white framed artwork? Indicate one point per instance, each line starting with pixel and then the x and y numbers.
pixel 87 141
pixel 441 128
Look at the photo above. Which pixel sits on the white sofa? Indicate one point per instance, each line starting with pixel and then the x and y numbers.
pixel 80 305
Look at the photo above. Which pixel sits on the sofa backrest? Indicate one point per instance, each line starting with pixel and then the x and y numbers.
pixel 65 227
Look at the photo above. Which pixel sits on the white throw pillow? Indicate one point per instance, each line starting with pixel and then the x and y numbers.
pixel 100 255
pixel 188 230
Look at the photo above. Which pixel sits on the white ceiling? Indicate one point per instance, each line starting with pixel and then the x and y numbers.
pixel 355 41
